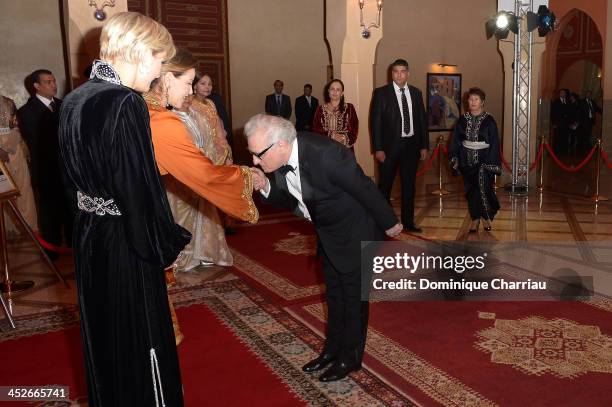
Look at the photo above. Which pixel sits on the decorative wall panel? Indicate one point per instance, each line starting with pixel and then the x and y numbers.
pixel 201 27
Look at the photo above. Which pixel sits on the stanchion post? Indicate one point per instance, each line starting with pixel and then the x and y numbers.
pixel 597 197
pixel 9 286
pixel 542 148
pixel 440 191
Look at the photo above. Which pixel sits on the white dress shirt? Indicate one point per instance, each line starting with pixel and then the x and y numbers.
pixel 43 99
pixel 398 94
pixel 294 185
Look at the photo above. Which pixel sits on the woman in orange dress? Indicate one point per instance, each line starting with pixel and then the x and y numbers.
pixel 336 119
pixel 188 173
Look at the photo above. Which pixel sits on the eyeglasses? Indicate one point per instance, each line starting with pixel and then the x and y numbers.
pixel 260 154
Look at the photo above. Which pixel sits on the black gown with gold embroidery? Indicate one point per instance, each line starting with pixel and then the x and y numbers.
pixel 477 165
pixel 124 237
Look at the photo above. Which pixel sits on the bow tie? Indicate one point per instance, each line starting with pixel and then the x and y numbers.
pixel 285 169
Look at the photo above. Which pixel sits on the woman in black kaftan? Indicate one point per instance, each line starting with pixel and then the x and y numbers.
pixel 124 236
pixel 475 153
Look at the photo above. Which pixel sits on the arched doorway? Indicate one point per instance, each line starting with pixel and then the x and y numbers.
pixel 573 65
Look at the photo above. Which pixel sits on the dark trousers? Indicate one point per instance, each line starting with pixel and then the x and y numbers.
pixel 405 155
pixel 347 315
pixel 54 215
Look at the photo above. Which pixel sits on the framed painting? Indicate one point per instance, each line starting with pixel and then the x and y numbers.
pixel 443 100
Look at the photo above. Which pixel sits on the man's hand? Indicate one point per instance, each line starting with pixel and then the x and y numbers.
pixel 259 179
pixel 424 154
pixel 380 156
pixel 395 230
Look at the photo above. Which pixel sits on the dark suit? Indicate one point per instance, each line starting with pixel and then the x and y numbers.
pixel 222 112
pixel 305 113
pixel 386 122
pixel 39 127
pixel 561 117
pixel 346 208
pixel 272 107
pixel 588 116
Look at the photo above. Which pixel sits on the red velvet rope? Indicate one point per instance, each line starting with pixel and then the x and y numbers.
pixel 606 159
pixel 52 247
pixel 425 167
pixel 565 167
pixel 538 158
pixel 503 160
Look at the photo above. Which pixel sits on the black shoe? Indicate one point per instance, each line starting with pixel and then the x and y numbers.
pixel 413 229
pixel 337 371
pixel 487 225
pixel 319 363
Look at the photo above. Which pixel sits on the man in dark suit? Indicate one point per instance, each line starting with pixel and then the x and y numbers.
pixel 320 180
pixel 278 104
pixel 399 137
pixel 588 117
pixel 305 108
pixel 38 121
pixel 560 118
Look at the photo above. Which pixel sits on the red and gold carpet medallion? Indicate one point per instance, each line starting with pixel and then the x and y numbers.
pixel 536 346
pixel 298 244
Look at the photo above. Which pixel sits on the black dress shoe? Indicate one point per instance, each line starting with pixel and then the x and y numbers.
pixel 337 371
pixel 413 229
pixel 319 363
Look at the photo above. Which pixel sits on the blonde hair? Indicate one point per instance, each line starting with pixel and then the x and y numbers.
pixel 128 36
pixel 180 63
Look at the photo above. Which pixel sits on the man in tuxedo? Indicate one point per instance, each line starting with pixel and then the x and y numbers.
pixel 399 137
pixel 320 181
pixel 588 116
pixel 278 104
pixel 560 118
pixel 38 121
pixel 305 108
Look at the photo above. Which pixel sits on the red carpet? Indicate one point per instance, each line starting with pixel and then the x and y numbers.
pixel 490 353
pixel 240 349
pixel 44 359
pixel 283 264
pixel 216 367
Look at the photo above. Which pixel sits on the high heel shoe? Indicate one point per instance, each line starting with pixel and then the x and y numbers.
pixel 474 225
pixel 487 224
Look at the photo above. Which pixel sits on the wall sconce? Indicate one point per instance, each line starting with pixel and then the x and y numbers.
pixel 99 14
pixel 448 65
pixel 365 30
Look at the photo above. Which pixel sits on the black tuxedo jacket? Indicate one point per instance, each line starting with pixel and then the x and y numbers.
pixel 344 204
pixel 304 113
pixel 561 113
pixel 386 119
pixel 39 127
pixel 272 106
pixel 584 111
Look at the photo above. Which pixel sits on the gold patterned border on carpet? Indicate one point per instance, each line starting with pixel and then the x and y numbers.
pixel 282 344
pixel 271 280
pixel 434 382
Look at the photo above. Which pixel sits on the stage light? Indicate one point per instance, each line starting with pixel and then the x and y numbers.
pixel 502 21
pixel 501 24
pixel 544 20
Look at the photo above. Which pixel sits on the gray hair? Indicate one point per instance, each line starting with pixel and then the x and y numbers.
pixel 275 127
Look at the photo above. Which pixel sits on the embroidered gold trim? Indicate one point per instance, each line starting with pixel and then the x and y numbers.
pixel 252 214
pixel 153 101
